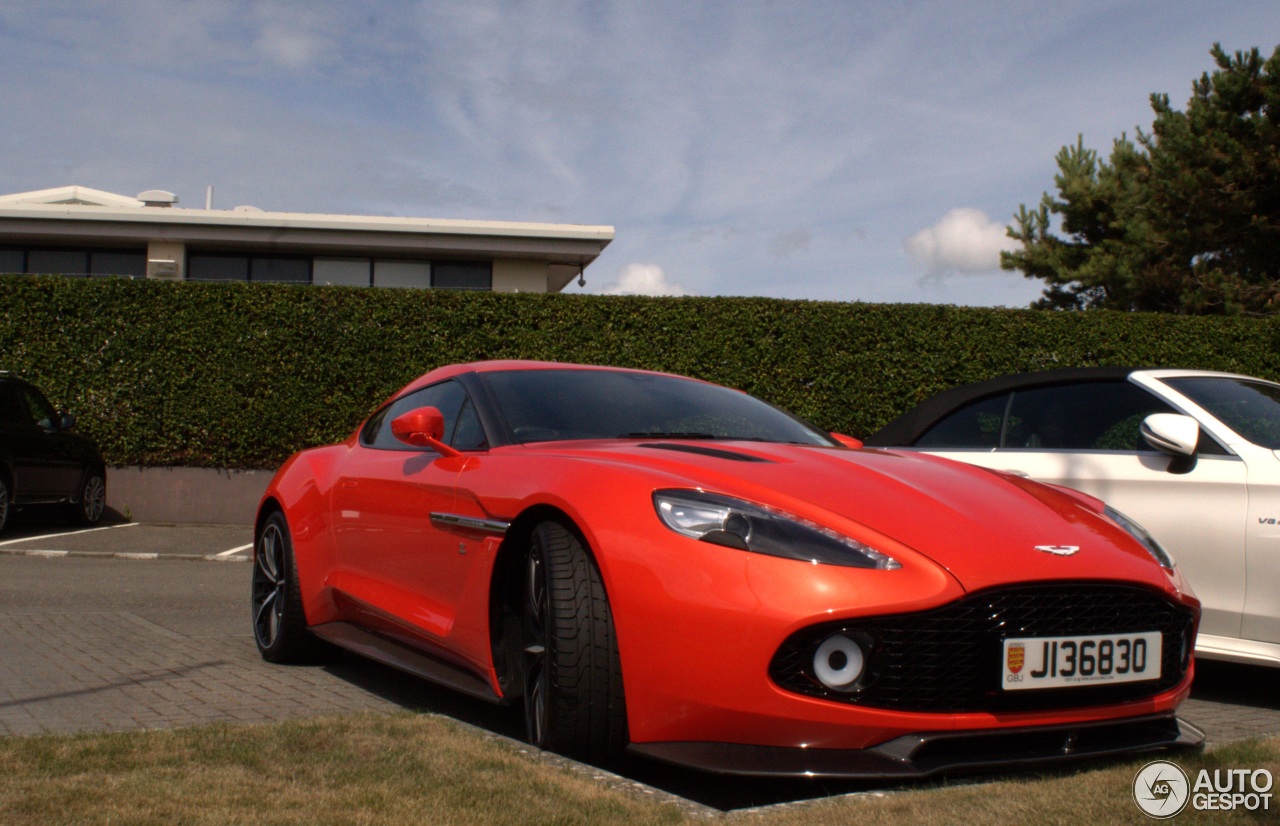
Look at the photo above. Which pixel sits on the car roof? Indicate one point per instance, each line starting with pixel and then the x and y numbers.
pixel 908 427
pixel 449 371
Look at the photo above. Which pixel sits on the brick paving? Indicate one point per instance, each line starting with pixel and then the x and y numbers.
pixel 101 644
pixel 91 644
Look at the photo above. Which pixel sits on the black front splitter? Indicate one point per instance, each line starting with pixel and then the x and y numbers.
pixel 915 756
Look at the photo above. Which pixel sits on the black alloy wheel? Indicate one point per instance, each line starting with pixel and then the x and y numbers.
pixel 279 621
pixel 573 695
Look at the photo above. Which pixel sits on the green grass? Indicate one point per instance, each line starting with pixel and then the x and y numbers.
pixel 411 769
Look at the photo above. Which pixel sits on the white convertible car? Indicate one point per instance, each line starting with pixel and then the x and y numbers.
pixel 1192 456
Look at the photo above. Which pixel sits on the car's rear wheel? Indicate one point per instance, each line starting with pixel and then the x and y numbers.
pixel 573 696
pixel 279 621
pixel 92 501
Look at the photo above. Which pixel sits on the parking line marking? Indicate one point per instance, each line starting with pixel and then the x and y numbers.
pixel 47 553
pixel 66 533
pixel 233 551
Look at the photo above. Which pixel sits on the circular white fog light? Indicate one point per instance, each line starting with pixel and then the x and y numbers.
pixel 838 663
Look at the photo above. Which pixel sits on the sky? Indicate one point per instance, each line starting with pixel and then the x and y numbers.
pixel 839 151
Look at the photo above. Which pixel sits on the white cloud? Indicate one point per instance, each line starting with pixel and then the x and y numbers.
pixel 964 241
pixel 643 279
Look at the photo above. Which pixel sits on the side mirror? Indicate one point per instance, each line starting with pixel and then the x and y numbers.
pixel 422 427
pixel 847 441
pixel 68 421
pixel 1174 434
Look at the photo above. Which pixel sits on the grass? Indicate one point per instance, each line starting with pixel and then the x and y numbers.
pixel 414 769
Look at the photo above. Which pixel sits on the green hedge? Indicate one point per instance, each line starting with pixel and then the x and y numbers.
pixel 241 375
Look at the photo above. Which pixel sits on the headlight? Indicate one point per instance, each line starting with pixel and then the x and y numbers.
pixel 733 523
pixel 1140 533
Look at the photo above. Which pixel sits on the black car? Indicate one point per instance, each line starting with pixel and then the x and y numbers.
pixel 42 461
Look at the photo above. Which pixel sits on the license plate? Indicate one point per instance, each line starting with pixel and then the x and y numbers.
pixel 1055 662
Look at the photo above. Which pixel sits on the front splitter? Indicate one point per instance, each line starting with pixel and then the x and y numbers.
pixel 928 754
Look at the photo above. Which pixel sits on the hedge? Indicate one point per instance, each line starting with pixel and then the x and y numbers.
pixel 242 375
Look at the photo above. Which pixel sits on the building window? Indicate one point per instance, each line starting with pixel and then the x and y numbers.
pixel 13 261
pixel 280 270
pixel 388 273
pixel 450 275
pixel 58 262
pixel 347 272
pixel 117 263
pixel 75 262
pixel 217 267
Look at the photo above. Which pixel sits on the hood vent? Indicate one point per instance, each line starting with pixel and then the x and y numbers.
pixel 713 452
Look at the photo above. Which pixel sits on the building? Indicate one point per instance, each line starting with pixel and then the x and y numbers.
pixel 74 230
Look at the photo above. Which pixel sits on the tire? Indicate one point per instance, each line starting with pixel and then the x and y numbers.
pixel 279 621
pixel 92 500
pixel 6 504
pixel 573 697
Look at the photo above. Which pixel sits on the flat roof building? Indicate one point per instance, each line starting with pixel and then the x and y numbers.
pixel 75 230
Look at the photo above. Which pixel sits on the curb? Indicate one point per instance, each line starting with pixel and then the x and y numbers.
pixel 123 555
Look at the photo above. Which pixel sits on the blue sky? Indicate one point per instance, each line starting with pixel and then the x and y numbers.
pixel 868 151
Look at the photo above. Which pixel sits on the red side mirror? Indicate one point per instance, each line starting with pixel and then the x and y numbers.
pixel 422 427
pixel 847 441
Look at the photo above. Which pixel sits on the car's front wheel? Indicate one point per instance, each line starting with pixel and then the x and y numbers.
pixel 92 500
pixel 573 695
pixel 279 621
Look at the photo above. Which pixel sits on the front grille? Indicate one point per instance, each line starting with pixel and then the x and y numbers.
pixel 948 659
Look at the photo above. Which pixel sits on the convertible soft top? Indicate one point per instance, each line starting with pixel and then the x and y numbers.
pixel 910 426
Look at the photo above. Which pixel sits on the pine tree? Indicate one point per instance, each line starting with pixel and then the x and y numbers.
pixel 1186 219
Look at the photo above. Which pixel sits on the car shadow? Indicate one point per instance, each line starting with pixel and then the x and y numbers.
pixel 1215 681
pixel 34 521
pixel 1244 685
pixel 721 792
pixel 418 695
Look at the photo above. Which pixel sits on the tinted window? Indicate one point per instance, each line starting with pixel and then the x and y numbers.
pixel 977 425
pixel 12 408
pixel 454 276
pixel 1085 416
pixel 469 434
pixel 59 262
pixel 118 263
pixel 281 270
pixel 546 405
pixel 447 397
pixel 1250 408
pixel 217 267
pixel 41 413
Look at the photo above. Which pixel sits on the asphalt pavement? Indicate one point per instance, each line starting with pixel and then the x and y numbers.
pixel 139 626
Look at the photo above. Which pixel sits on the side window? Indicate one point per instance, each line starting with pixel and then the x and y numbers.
pixel 1085 416
pixel 977 425
pixel 469 434
pixel 42 413
pixel 12 409
pixel 447 397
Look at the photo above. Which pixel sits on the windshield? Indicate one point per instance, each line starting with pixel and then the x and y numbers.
pixel 1250 408
pixel 549 405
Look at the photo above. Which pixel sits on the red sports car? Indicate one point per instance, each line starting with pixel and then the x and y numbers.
pixel 664 566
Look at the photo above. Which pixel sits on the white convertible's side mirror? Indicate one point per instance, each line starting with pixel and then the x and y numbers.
pixel 1172 433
